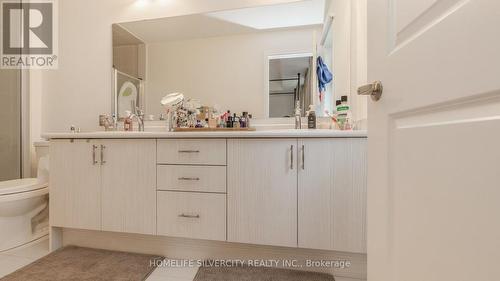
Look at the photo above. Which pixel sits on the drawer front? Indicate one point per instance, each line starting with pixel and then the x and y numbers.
pixel 191 178
pixel 198 152
pixel 192 215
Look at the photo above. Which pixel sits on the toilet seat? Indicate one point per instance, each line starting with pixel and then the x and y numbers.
pixel 20 186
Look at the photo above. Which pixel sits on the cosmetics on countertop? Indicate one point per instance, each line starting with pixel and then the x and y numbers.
pixel 127 123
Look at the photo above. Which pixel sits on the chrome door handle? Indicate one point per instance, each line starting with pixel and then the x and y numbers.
pixel 291 157
pixel 188 179
pixel 102 154
pixel 374 90
pixel 303 157
pixel 94 160
pixel 189 216
pixel 189 151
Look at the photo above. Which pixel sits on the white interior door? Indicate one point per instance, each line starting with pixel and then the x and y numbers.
pixel 434 177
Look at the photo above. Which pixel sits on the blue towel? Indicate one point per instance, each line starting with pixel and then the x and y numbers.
pixel 324 75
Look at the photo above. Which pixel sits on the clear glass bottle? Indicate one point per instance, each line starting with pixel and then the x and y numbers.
pixel 298 116
pixel 127 123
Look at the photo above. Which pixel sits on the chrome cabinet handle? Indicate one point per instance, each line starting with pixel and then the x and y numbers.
pixel 303 157
pixel 94 160
pixel 188 179
pixel 102 154
pixel 291 157
pixel 189 216
pixel 189 151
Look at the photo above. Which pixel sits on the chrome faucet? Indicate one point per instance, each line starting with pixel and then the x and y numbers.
pixel 139 115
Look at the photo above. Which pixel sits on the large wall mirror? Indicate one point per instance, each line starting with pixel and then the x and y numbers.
pixel 262 60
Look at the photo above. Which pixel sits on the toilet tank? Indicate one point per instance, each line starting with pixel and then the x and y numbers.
pixel 41 150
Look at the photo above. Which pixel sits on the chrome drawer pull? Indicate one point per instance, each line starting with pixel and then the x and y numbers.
pixel 189 216
pixel 189 151
pixel 188 179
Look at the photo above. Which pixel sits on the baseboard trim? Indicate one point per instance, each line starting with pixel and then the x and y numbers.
pixel 181 248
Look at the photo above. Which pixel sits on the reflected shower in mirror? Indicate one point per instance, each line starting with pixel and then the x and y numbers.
pixel 129 68
pixel 290 80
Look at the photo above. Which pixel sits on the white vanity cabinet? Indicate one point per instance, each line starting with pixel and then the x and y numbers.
pixel 262 191
pixel 128 180
pixel 332 194
pixel 307 193
pixel 75 184
pixel 280 191
pixel 105 185
pixel 191 184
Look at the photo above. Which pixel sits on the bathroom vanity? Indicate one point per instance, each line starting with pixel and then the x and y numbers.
pixel 290 188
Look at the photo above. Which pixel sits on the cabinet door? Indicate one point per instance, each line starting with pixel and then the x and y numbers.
pixel 75 192
pixel 332 194
pixel 262 192
pixel 129 186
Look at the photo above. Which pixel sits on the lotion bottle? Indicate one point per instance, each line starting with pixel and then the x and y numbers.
pixel 127 123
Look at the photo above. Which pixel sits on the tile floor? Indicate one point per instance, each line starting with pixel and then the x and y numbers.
pixel 187 274
pixel 12 260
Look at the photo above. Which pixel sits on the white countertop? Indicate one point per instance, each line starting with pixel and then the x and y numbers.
pixel 319 133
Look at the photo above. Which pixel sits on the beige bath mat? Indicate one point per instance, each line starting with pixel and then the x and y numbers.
pixel 245 273
pixel 76 263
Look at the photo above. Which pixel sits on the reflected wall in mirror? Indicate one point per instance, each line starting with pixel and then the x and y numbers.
pixel 224 59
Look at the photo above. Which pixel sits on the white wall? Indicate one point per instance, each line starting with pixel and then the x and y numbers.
pixel 228 71
pixel 35 102
pixel 80 89
pixel 350 52
pixel 359 60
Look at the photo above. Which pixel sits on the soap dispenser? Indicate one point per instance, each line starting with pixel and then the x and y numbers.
pixel 311 118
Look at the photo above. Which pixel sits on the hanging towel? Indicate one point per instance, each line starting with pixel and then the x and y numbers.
pixel 324 76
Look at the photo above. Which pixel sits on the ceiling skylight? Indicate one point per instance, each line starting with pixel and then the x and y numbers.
pixel 294 14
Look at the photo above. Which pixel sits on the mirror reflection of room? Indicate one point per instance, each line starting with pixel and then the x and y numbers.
pixel 245 60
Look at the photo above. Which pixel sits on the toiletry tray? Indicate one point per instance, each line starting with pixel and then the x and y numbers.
pixel 212 129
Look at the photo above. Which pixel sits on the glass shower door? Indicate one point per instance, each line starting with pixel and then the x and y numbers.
pixel 10 127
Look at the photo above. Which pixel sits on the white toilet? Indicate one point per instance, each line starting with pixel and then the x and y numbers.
pixel 24 206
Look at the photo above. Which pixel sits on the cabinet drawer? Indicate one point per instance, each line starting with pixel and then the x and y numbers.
pixel 192 215
pixel 191 178
pixel 201 152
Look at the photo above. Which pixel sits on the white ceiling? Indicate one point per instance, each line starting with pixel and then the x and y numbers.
pixel 232 22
